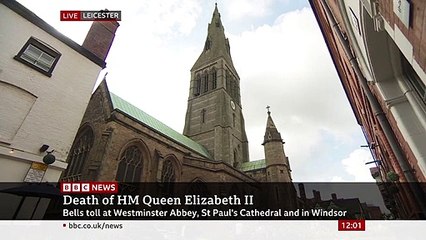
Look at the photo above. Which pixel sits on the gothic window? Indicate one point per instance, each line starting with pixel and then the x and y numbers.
pixel 78 155
pixel 233 88
pixel 235 164
pixel 203 116
pixel 205 82
pixel 214 78
pixel 130 166
pixel 228 81
pixel 168 172
pixel 197 86
pixel 233 120
pixel 237 92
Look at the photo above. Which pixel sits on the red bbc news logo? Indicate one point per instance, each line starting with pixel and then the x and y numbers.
pixel 89 187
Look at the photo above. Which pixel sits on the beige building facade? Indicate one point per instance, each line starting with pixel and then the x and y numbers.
pixel 46 81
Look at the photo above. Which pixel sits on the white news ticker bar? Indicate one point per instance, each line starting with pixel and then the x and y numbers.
pixel 204 230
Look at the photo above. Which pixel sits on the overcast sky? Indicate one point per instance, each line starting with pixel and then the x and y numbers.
pixel 278 51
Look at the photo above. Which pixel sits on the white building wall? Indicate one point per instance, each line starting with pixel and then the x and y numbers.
pixel 50 108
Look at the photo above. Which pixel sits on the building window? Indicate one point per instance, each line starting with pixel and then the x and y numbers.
pixel 197 86
pixel 205 82
pixel 130 166
pixel 78 156
pixel 168 172
pixel 39 56
pixel 233 120
pixel 203 116
pixel 214 79
pixel 228 80
pixel 232 91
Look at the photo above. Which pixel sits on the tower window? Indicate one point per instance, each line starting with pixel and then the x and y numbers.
pixel 233 88
pixel 228 81
pixel 214 79
pixel 233 119
pixel 197 86
pixel 205 82
pixel 203 116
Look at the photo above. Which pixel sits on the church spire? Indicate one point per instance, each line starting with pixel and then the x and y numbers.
pixel 214 117
pixel 216 45
pixel 271 133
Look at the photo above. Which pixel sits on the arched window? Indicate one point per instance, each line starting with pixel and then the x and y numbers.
pixel 168 172
pixel 78 155
pixel 237 92
pixel 232 92
pixel 197 86
pixel 228 81
pixel 130 166
pixel 205 82
pixel 233 119
pixel 214 78
pixel 235 163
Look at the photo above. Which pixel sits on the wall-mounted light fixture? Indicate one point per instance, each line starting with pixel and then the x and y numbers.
pixel 49 158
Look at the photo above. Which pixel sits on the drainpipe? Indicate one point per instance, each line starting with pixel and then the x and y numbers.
pixel 379 114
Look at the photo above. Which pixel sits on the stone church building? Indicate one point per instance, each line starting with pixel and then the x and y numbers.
pixel 119 142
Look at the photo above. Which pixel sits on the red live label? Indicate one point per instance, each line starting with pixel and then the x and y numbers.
pixel 89 187
pixel 351 225
pixel 70 15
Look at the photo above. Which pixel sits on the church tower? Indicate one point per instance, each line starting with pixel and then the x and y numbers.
pixel 214 115
pixel 277 164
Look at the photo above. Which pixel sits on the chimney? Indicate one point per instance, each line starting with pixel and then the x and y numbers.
pixel 100 37
pixel 334 196
pixel 317 196
pixel 302 191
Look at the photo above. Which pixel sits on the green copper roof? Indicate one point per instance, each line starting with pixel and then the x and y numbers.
pixel 142 117
pixel 253 165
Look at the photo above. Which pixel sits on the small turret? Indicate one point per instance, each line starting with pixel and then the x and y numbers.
pixel 277 164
